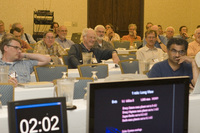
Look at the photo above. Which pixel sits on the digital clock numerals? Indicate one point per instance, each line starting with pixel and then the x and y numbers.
pixel 46 123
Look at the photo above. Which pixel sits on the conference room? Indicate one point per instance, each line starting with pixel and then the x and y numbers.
pixel 76 17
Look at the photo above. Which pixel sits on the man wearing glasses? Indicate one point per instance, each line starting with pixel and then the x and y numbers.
pixel 177 64
pixel 19 68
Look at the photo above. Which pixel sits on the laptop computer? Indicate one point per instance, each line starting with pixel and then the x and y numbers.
pixel 76 38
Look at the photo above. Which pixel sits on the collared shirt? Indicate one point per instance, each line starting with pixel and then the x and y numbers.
pixel 131 39
pixel 193 48
pixel 162 38
pixel 55 49
pixel 23 69
pixel 65 43
pixel 30 38
pixel 197 59
pixel 151 55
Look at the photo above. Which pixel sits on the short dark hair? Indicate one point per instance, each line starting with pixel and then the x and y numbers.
pixel 15 29
pixel 198 26
pixel 149 32
pixel 182 27
pixel 45 33
pixel 7 42
pixel 177 41
pixel 53 24
pixel 111 26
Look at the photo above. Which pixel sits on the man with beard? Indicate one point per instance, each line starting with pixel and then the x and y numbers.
pixel 132 36
pixel 75 57
pixel 194 46
pixel 177 64
pixel 100 43
pixel 61 39
pixel 149 52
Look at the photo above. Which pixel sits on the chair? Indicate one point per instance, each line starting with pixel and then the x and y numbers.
pixel 65 59
pixel 49 72
pixel 129 66
pixel 86 70
pixel 7 92
pixel 132 52
pixel 79 86
pixel 123 44
pixel 126 56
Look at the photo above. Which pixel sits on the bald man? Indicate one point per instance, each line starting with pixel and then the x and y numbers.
pixel 194 46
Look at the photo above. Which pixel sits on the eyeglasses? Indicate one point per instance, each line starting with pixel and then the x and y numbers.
pixel 181 52
pixel 50 37
pixel 16 47
pixel 101 31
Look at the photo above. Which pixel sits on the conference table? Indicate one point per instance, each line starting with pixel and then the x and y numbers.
pixel 77 118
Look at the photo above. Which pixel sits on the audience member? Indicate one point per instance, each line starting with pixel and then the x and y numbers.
pixel 25 36
pixel 19 69
pixel 2 29
pixel 197 59
pixel 160 30
pixel 54 27
pixel 61 39
pixel 110 34
pixel 183 33
pixel 148 25
pixel 100 43
pixel 194 46
pixel 48 46
pixel 169 32
pixel 177 64
pixel 161 41
pixel 17 33
pixel 132 36
pixel 149 52
pixel 89 38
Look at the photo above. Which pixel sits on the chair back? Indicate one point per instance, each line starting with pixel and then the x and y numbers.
pixel 86 70
pixel 79 87
pixel 126 56
pixel 49 72
pixel 7 92
pixel 138 44
pixel 129 66
pixel 123 44
pixel 132 52
pixel 65 59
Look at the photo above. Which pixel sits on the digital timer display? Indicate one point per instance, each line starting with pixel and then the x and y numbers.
pixel 39 118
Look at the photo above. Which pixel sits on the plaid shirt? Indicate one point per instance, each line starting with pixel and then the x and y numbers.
pixel 54 50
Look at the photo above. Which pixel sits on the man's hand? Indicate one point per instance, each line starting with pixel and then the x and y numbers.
pixel 115 57
pixel 13 80
pixel 185 59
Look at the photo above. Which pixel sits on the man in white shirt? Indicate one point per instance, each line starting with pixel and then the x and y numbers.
pixel 197 59
pixel 149 52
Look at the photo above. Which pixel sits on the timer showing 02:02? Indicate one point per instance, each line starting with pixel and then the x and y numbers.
pixel 24 125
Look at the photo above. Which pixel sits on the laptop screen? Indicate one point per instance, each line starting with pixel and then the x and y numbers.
pixel 39 115
pixel 150 105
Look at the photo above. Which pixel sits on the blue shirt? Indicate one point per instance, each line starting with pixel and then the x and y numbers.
pixel 163 69
pixel 23 69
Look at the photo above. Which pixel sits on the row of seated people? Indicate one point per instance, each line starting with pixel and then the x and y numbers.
pixel 89 40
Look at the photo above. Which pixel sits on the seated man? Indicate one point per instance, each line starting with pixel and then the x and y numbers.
pixel 19 69
pixel 161 41
pixel 110 34
pixel 50 47
pixel 17 33
pixel 25 36
pixel 177 64
pixel 132 36
pixel 169 33
pixel 194 46
pixel 100 43
pixel 89 38
pixel 61 39
pixel 183 33
pixel 149 52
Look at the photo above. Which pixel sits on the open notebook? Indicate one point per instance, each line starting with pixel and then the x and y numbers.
pixel 36 84
pixel 197 87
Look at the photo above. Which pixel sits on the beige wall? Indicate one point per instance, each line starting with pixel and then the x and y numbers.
pixel 72 12
pixel 66 12
pixel 173 12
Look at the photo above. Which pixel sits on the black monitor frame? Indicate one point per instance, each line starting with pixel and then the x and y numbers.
pixel 59 103
pixel 93 87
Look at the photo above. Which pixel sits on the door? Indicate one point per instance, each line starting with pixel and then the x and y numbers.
pixel 120 13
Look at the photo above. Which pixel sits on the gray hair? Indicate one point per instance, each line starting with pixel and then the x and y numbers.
pixel 98 26
pixel 85 31
pixel 171 28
